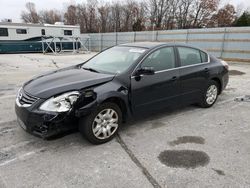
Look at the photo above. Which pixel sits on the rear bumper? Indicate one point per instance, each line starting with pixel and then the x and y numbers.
pixel 44 124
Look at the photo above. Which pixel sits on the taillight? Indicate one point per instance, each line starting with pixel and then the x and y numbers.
pixel 224 63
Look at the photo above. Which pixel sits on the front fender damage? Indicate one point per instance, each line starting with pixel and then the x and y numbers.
pixel 107 92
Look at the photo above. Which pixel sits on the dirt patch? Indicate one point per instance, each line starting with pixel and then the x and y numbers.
pixel 7 123
pixel 6 130
pixel 7 89
pixel 245 98
pixel 235 72
pixel 157 124
pixel 7 127
pixel 184 158
pixel 4 156
pixel 230 89
pixel 219 172
pixel 131 134
pixel 187 139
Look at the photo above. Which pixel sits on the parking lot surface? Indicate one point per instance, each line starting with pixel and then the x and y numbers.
pixel 185 147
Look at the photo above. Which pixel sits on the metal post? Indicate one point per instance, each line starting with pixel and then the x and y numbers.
pixel 101 41
pixel 89 44
pixel 43 45
pixel 61 46
pixel 54 45
pixel 156 36
pixel 116 38
pixel 153 32
pixel 135 36
pixel 187 35
pixel 223 43
pixel 76 44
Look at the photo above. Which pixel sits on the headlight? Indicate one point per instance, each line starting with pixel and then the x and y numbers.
pixel 61 103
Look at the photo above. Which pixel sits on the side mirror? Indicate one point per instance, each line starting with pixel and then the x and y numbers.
pixel 145 71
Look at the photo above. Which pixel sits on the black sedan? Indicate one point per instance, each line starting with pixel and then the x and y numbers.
pixel 117 84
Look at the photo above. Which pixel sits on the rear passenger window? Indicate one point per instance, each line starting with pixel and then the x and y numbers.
pixel 204 57
pixel 161 59
pixel 189 56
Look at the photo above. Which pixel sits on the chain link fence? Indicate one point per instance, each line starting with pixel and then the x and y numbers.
pixel 231 43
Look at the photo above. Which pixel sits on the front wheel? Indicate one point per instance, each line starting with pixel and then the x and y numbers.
pixel 102 124
pixel 210 95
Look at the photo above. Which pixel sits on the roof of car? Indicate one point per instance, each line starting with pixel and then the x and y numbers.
pixel 143 44
pixel 150 45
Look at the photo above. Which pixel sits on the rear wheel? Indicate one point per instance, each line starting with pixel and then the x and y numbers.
pixel 102 124
pixel 210 95
pixel 58 49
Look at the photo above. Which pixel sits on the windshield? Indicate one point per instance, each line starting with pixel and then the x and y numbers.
pixel 114 60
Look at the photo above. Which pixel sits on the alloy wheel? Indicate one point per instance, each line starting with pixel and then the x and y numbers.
pixel 211 94
pixel 105 123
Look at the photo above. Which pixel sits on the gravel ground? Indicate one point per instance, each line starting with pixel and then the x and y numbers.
pixel 185 147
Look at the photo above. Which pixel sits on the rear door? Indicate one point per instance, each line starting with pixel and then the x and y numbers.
pixel 194 73
pixel 162 89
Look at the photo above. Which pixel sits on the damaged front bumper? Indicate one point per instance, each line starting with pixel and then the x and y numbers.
pixel 44 124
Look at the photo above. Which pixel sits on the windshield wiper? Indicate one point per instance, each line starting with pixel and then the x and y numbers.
pixel 90 69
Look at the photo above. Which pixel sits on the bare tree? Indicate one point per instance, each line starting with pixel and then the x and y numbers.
pixel 140 17
pixel 128 13
pixel 92 6
pixel 203 10
pixel 133 15
pixel 82 17
pixel 71 15
pixel 50 16
pixel 116 15
pixel 157 11
pixel 103 17
pixel 30 15
pixel 226 16
pixel 183 13
pixel 170 16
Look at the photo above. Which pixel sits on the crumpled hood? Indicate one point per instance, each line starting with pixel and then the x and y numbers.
pixel 64 80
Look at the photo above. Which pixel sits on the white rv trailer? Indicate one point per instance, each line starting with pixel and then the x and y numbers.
pixel 19 37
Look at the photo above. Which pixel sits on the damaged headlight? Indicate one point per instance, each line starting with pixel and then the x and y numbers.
pixel 61 103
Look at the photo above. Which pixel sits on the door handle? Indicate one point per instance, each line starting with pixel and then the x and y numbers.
pixel 206 70
pixel 174 78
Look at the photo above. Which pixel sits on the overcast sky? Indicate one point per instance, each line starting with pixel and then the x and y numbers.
pixel 11 9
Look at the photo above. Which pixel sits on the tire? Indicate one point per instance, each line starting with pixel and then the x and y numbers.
pixel 97 133
pixel 58 49
pixel 212 91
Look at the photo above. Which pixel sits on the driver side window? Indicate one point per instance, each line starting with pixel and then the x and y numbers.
pixel 161 59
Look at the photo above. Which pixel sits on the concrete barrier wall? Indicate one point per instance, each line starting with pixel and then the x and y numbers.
pixel 231 43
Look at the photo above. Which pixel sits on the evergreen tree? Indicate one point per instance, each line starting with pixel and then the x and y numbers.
pixel 243 20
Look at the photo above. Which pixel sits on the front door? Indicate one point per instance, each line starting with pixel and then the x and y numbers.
pixel 149 92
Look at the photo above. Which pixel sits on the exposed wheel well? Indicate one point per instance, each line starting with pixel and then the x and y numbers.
pixel 219 83
pixel 121 105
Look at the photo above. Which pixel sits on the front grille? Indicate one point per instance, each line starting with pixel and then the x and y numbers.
pixel 26 99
